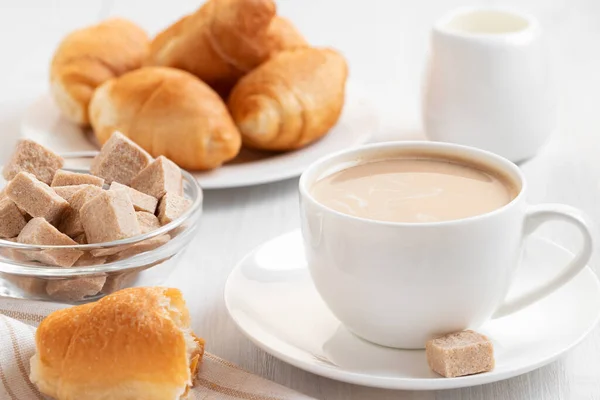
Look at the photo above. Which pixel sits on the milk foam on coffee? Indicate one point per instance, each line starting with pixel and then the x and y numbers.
pixel 414 190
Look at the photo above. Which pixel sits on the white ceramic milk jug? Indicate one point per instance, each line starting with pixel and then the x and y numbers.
pixel 488 83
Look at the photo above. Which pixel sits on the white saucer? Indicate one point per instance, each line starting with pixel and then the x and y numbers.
pixel 43 123
pixel 272 300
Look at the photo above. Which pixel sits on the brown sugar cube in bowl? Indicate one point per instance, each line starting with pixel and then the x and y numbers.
pixel 141 201
pixel 99 253
pixel 142 247
pixel 23 212
pixel 71 223
pixel 66 192
pixel 11 219
pixel 460 353
pixel 30 285
pixel 148 222
pixel 81 239
pixel 171 207
pixel 14 254
pixel 39 231
pixel 67 178
pixel 161 177
pixel 75 289
pixel 34 158
pixel 120 160
pixel 118 281
pixel 109 216
pixel 88 259
pixel 36 198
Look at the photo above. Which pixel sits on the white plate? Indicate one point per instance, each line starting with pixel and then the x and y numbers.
pixel 272 300
pixel 43 123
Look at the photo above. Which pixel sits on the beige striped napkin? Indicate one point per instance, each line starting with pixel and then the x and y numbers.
pixel 217 380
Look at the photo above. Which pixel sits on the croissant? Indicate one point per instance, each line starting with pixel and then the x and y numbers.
pixel 88 57
pixel 282 35
pixel 168 112
pixel 291 100
pixel 133 344
pixel 224 40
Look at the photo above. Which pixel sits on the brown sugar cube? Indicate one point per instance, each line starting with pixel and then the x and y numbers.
pixel 160 177
pixel 34 158
pixel 88 259
pixel 172 206
pixel 142 247
pixel 118 281
pixel 130 250
pixel 71 223
pixel 11 219
pixel 20 255
pixel 109 251
pixel 66 192
pixel 66 178
pixel 36 198
pixel 460 353
pixel 148 222
pixel 109 216
pixel 39 231
pixel 14 254
pixel 120 160
pixel 75 289
pixel 80 239
pixel 141 201
pixel 31 286
pixel 23 212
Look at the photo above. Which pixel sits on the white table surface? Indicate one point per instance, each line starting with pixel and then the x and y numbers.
pixel 385 42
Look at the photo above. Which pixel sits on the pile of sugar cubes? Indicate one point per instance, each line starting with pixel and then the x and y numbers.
pixel 127 194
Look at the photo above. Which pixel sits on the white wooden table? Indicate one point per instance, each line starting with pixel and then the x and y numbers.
pixel 385 42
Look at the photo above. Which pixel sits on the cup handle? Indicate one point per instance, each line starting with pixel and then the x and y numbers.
pixel 536 216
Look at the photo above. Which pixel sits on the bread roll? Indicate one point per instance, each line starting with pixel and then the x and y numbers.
pixel 283 35
pixel 90 56
pixel 167 112
pixel 291 100
pixel 224 40
pixel 133 344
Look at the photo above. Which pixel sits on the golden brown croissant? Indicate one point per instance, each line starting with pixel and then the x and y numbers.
pixel 134 344
pixel 224 40
pixel 88 57
pixel 291 100
pixel 168 112
pixel 283 35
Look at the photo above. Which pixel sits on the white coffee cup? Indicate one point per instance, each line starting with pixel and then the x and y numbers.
pixel 488 83
pixel 400 284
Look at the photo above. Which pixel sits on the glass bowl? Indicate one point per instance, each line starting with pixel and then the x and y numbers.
pixel 103 268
